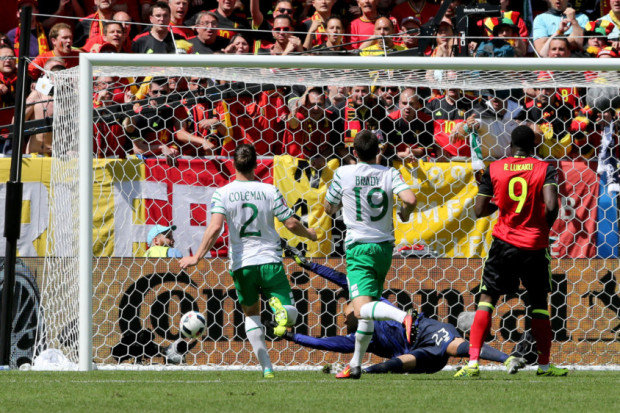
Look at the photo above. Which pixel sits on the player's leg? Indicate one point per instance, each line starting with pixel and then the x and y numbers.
pixel 247 292
pixel 459 347
pixel 277 289
pixel 400 364
pixel 538 284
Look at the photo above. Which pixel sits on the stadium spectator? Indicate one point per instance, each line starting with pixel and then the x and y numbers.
pixel 388 97
pixel 410 30
pixel 520 248
pixel 263 26
pixel 552 117
pixel 448 111
pixel 152 127
pixel 126 21
pixel 559 20
pixel 206 41
pixel 307 135
pixel 237 45
pixel 316 25
pixel 369 238
pixel 109 137
pixel 112 40
pixel 362 28
pixel 360 111
pixel 62 39
pixel 503 42
pixel 382 42
pixel 178 12
pixel 429 351
pixel 597 34
pixel 407 129
pixel 38 40
pixel 494 123
pixel 614 17
pixel 92 25
pixel 158 39
pixel 160 241
pixel 229 20
pixel 200 133
pixel 332 46
pixel 422 10
pixel 283 41
pixel 255 252
pixel 8 80
pixel 40 106
pixel 61 11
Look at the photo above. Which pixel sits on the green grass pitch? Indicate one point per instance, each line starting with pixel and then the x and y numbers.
pixel 291 391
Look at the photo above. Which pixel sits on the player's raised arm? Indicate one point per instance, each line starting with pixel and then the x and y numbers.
pixel 208 239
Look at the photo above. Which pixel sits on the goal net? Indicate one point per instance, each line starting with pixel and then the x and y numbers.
pixel 162 129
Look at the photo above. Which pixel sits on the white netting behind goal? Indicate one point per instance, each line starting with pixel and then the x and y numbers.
pixel 184 124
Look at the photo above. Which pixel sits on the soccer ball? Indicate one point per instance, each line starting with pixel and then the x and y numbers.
pixel 193 325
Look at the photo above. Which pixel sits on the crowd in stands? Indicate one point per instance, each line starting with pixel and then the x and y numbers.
pixel 171 117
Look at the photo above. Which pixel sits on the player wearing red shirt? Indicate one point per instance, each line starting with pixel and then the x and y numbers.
pixel 525 192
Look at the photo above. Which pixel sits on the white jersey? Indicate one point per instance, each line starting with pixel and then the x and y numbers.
pixel 250 208
pixel 367 196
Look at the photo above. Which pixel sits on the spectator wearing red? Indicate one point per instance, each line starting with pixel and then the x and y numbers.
pixel 158 39
pixel 229 19
pixel 201 131
pixel 112 40
pixel 363 27
pixel 422 10
pixel 308 129
pixel 448 111
pixel 62 39
pixel 206 40
pixel 264 28
pixel 109 138
pixel 315 26
pixel 8 80
pixel 283 41
pixel 178 11
pixel 92 25
pixel 597 33
pixel 38 39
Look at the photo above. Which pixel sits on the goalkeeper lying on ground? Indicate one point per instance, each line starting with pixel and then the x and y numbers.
pixel 429 352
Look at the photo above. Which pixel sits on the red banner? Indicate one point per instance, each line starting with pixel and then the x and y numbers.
pixel 576 225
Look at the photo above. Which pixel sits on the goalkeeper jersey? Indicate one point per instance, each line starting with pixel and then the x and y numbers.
pixel 250 208
pixel 367 195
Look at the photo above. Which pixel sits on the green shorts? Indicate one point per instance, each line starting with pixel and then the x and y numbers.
pixel 367 267
pixel 268 279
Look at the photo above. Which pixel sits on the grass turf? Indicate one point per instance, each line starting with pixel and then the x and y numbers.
pixel 246 391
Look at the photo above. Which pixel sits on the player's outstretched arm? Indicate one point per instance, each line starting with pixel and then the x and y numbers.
pixel 208 239
pixel 338 344
pixel 297 228
pixel 408 204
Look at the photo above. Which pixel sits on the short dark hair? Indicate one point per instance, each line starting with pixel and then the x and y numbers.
pixel 107 24
pixel 160 81
pixel 284 17
pixel 366 144
pixel 160 5
pixel 523 137
pixel 245 158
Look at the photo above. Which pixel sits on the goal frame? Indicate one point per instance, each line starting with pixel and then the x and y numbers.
pixel 87 62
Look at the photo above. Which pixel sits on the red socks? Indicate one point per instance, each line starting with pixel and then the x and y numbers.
pixel 541 330
pixel 479 330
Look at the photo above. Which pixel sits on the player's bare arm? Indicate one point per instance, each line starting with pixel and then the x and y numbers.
pixel 408 204
pixel 552 208
pixel 208 239
pixel 297 228
pixel 331 209
pixel 483 207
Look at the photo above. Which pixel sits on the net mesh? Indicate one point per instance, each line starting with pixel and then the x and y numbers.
pixel 138 302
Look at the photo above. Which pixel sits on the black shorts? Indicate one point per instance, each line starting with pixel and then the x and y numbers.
pixel 506 265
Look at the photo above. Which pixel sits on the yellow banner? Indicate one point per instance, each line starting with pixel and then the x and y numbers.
pixel 293 178
pixel 444 219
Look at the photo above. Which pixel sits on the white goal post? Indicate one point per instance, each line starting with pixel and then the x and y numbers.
pixel 473 73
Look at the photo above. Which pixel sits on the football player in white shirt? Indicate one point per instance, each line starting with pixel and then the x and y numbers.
pixel 255 254
pixel 365 192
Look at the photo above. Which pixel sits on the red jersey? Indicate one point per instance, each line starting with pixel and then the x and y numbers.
pixel 309 138
pixel 516 186
pixel 424 14
pixel 361 29
pixel 71 59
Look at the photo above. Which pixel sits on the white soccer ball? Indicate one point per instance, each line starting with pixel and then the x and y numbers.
pixel 193 325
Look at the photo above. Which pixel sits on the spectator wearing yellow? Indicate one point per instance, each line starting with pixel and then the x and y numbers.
pixel 161 242
pixel 382 43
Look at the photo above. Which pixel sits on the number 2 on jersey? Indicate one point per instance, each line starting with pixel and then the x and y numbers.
pixel 244 227
pixel 382 205
pixel 518 198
